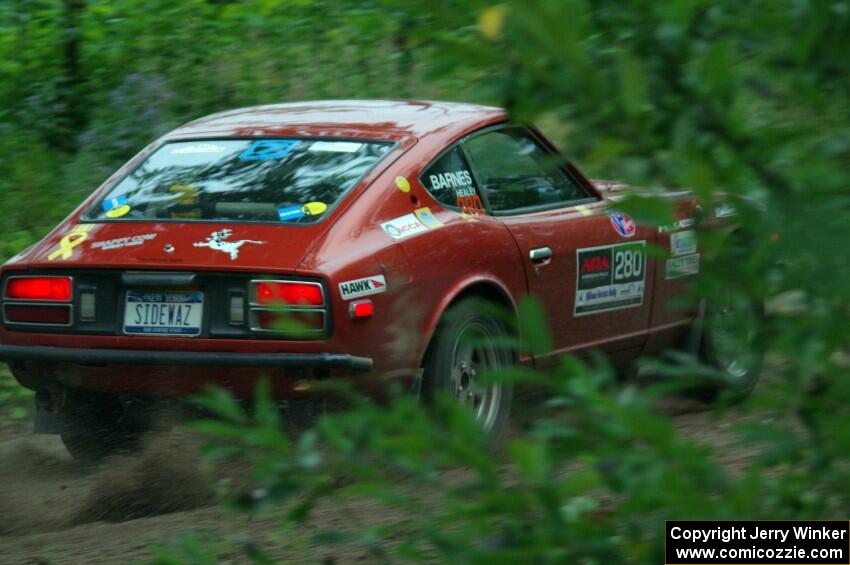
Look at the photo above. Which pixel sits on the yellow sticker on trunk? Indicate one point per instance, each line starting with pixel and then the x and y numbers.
pixel 70 240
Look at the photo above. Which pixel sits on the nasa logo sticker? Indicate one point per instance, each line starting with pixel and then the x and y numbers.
pixel 623 224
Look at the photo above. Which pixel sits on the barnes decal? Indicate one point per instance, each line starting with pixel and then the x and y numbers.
pixel 362 287
pixel 610 277
pixel 455 179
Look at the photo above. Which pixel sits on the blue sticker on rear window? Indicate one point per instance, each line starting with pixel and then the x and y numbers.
pixel 111 203
pixel 288 213
pixel 266 149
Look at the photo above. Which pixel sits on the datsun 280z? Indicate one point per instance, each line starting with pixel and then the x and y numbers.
pixel 360 240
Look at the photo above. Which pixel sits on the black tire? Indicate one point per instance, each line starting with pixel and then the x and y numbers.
pixel 729 330
pixel 471 338
pixel 94 428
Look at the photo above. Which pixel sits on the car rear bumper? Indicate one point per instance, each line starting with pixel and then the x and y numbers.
pixel 184 358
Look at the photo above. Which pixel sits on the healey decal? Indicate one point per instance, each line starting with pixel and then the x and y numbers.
pixel 610 277
pixel 679 267
pixel 404 226
pixel 683 242
pixel 469 202
pixel 362 287
pixel 69 241
pixel 218 241
pixel 623 224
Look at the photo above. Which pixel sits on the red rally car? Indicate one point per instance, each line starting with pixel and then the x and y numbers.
pixel 357 239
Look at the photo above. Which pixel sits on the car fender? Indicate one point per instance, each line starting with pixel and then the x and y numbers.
pixel 483 285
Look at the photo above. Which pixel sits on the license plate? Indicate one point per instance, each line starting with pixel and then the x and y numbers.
pixel 163 313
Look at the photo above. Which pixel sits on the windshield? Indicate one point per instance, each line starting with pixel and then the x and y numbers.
pixel 268 180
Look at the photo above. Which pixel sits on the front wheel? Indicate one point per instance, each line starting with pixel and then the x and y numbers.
pixel 470 341
pixel 729 344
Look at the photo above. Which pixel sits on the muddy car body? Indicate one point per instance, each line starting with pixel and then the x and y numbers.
pixel 174 273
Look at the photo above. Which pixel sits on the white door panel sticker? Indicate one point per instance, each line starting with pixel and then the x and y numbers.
pixel 610 277
pixel 404 226
pixel 684 266
pixel 683 242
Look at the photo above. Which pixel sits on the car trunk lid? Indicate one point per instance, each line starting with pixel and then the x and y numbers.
pixel 176 245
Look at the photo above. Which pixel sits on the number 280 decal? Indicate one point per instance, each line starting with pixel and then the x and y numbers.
pixel 610 277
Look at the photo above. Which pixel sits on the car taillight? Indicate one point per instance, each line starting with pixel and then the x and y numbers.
pixel 295 309
pixel 270 293
pixel 50 289
pixel 59 315
pixel 361 309
pixel 290 322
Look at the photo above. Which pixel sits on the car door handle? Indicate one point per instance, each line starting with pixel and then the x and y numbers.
pixel 540 254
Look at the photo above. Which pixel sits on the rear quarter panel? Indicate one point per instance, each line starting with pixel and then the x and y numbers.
pixel 425 272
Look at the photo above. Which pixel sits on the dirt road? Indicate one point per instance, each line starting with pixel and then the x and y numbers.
pixel 53 511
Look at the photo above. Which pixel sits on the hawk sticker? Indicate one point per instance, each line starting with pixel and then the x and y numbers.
pixel 362 287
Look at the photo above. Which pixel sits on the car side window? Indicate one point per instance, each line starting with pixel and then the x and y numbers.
pixel 451 182
pixel 516 172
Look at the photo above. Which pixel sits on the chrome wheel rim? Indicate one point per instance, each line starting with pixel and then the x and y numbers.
pixel 733 334
pixel 475 351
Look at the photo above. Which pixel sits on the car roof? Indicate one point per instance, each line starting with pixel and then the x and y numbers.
pixel 377 119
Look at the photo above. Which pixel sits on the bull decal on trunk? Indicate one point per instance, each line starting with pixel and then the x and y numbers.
pixel 218 241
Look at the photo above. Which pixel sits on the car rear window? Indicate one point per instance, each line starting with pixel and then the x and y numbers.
pixel 266 180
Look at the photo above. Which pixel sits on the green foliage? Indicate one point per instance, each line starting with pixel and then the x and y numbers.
pixel 16 402
pixel 186 549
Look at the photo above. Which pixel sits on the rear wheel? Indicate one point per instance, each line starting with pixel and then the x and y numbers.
pixel 95 427
pixel 470 341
